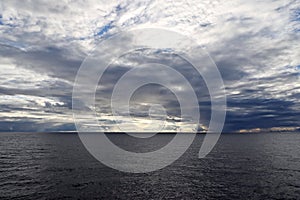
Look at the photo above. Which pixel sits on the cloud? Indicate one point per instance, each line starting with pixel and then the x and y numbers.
pixel 253 43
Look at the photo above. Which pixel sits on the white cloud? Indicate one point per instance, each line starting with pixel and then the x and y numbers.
pixel 16 77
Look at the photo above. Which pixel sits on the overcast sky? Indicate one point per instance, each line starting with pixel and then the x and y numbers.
pixel 255 44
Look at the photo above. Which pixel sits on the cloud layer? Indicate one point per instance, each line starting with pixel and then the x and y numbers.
pixel 255 45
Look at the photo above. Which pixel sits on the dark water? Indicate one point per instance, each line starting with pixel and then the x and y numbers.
pixel 52 166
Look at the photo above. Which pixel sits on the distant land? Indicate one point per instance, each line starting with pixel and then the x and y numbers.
pixel 273 129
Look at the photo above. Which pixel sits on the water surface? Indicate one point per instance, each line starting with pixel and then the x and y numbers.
pixel 56 165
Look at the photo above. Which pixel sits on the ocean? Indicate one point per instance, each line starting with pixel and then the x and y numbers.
pixel 241 166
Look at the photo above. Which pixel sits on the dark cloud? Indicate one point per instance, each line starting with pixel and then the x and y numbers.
pixel 262 113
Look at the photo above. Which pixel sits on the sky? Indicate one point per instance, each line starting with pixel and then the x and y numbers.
pixel 255 45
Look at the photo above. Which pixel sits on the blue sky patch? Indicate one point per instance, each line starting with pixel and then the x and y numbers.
pixel 104 29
